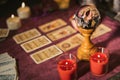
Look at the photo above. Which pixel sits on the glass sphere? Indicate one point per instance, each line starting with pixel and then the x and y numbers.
pixel 87 17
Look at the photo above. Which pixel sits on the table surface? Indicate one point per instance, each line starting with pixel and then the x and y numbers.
pixel 29 70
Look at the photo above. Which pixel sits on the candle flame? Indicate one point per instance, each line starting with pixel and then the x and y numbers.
pixel 98 56
pixel 12 16
pixel 66 63
pixel 23 5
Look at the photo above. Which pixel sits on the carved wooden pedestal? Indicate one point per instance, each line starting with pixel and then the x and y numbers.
pixel 87 47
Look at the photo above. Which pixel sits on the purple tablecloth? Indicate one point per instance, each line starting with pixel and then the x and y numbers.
pixel 28 70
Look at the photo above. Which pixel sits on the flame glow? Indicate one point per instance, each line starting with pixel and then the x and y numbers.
pixel 23 5
pixel 66 63
pixel 98 56
pixel 12 16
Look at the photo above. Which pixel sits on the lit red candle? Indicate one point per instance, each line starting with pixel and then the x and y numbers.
pixel 66 69
pixel 98 63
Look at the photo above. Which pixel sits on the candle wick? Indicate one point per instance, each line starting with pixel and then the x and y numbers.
pixel 98 59
pixel 102 50
pixel 70 56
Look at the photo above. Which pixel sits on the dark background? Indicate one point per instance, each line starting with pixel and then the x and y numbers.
pixel 8 7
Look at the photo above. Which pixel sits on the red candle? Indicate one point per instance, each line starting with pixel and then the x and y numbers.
pixel 66 68
pixel 98 63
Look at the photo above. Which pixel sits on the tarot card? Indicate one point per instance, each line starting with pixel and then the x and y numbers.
pixel 45 54
pixel 71 42
pixel 2 55
pixel 8 77
pixel 10 62
pixel 35 43
pixel 100 30
pixel 4 32
pixel 7 67
pixel 5 57
pixel 27 35
pixel 52 25
pixel 9 71
pixel 61 33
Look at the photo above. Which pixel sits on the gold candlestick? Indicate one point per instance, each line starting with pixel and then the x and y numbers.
pixel 85 21
pixel 87 47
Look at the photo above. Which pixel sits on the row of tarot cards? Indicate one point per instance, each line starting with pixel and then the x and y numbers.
pixel 8 68
pixel 32 39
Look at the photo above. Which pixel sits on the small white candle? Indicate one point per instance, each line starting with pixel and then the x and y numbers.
pixel 13 22
pixel 102 50
pixel 116 5
pixel 24 11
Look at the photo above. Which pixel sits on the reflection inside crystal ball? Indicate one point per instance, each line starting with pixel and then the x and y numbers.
pixel 87 17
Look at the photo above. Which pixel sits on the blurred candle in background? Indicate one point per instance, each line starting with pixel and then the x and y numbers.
pixel 13 22
pixel 24 11
pixel 63 4
pixel 116 6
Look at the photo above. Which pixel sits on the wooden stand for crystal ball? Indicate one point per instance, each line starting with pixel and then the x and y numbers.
pixel 87 47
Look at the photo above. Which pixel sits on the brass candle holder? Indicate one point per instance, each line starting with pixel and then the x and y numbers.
pixel 85 21
pixel 87 47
